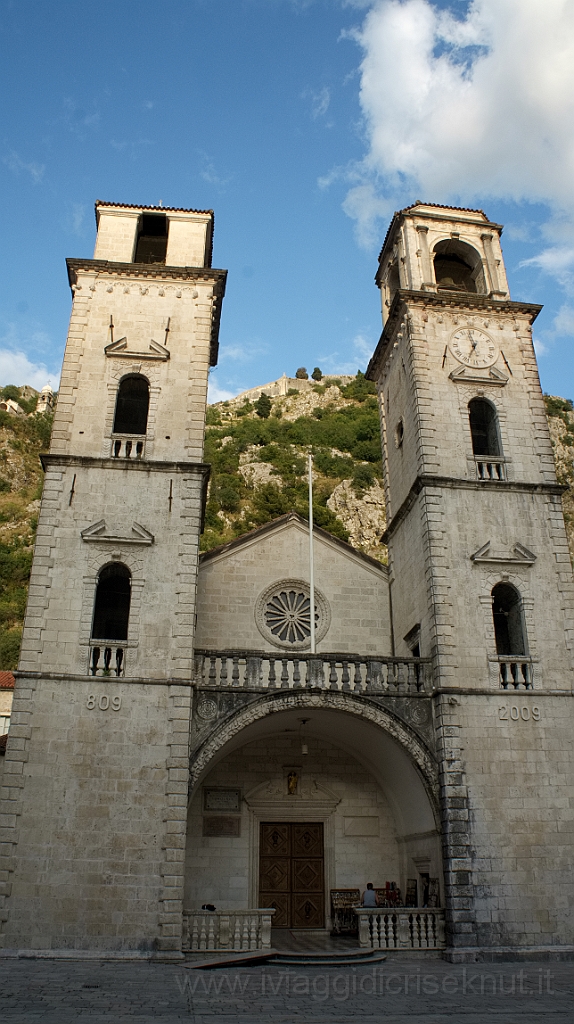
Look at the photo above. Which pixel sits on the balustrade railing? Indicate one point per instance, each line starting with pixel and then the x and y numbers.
pixel 347 672
pixel 237 930
pixel 127 446
pixel 490 468
pixel 516 673
pixel 107 659
pixel 404 928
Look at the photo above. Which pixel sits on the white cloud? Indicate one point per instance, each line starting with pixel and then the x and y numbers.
pixel 242 353
pixel 319 101
pixel 336 362
pixel 557 261
pixel 564 320
pixel 217 394
pixel 16 368
pixel 473 107
pixel 78 216
pixel 16 164
pixel 210 173
pixel 365 206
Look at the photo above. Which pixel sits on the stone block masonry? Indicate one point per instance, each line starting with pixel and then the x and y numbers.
pixel 93 815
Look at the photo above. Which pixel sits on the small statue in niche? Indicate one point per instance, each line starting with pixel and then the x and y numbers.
pixel 292 783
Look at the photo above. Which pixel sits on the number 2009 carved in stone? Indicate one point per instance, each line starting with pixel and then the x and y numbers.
pixel 517 714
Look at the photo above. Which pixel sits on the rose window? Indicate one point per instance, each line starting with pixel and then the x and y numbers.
pixel 283 614
pixel 288 616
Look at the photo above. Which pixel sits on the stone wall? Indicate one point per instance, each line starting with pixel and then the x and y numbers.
pixel 230 582
pixel 94 790
pixel 517 749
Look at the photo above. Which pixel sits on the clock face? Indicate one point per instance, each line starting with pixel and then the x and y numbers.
pixel 473 347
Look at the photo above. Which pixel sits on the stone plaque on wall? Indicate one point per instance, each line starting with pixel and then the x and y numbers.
pixel 221 825
pixel 222 800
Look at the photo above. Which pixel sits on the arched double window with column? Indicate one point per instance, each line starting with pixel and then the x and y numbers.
pixel 510 636
pixel 485 435
pixel 111 618
pixel 131 416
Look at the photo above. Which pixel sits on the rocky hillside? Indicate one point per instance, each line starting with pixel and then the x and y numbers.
pixel 257 451
pixel 22 438
pixel 259 469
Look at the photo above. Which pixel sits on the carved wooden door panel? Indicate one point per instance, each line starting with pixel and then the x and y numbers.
pixel 291 874
pixel 275 872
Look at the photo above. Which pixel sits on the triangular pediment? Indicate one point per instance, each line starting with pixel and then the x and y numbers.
pixel 520 555
pixel 293 521
pixel 493 376
pixel 99 532
pixel 120 350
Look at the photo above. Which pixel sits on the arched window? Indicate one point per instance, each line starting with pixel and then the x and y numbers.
pixel 132 405
pixel 112 605
pixel 484 428
pixel 508 623
pixel 458 267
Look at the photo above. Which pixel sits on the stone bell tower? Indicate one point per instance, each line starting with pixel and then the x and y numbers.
pixel 480 571
pixel 95 781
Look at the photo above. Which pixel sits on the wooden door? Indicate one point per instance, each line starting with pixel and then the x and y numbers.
pixel 291 873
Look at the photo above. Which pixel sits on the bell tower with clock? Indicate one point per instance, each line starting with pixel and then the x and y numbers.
pixel 480 571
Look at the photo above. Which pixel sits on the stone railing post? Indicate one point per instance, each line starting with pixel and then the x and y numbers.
pixel 403 932
pixel 224 922
pixel 364 930
pixel 266 920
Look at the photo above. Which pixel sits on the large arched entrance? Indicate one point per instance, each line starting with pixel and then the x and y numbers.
pixel 302 794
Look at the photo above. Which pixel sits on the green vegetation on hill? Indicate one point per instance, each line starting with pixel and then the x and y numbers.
pixel 343 435
pixel 22 438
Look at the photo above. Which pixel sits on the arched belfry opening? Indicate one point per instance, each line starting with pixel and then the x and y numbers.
pixel 484 428
pixel 509 632
pixel 132 405
pixel 112 604
pixel 315 802
pixel 458 267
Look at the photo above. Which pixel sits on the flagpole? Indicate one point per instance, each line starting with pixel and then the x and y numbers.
pixel 311 561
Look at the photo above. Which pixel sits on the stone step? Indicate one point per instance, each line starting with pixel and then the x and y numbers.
pixel 346 958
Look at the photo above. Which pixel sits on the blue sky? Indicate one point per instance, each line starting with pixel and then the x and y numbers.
pixel 304 124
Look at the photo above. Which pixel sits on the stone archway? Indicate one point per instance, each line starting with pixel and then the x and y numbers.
pixel 325 700
pixel 381 753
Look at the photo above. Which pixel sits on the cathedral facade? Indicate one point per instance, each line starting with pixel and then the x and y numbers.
pixel 176 743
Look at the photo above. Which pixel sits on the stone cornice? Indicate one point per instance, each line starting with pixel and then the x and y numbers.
pixel 440 300
pixel 146 270
pixel 454 483
pixel 136 465
pixel 70 677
